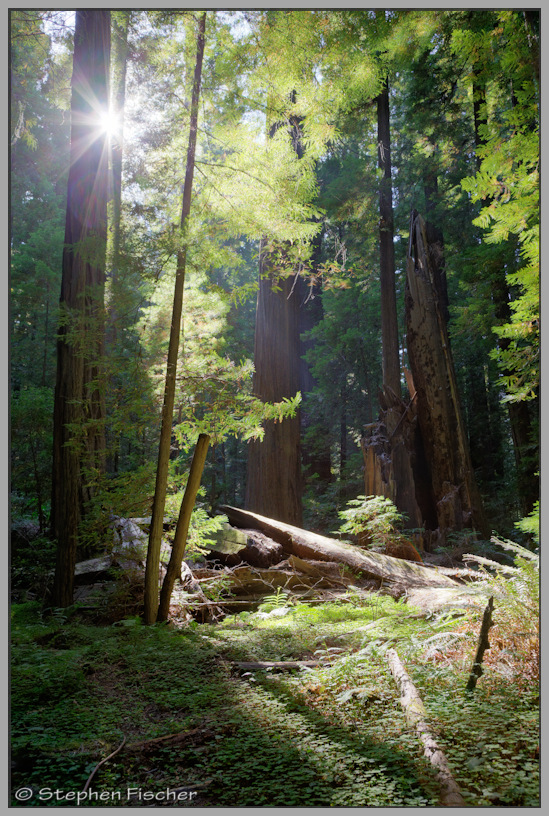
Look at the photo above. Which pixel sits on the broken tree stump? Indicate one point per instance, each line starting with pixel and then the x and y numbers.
pixel 483 644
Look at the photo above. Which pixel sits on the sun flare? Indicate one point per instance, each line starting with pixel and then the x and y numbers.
pixel 109 123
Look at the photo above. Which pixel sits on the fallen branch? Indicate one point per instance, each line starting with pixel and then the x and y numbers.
pixel 416 715
pixel 110 756
pixel 483 644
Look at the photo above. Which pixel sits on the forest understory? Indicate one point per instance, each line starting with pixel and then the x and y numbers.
pixel 275 369
pixel 289 702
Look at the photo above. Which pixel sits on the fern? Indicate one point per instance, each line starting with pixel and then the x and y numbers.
pixel 516 587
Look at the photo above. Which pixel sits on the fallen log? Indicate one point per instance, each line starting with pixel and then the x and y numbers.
pixel 305 544
pixel 416 715
pixel 321 570
pixel 234 547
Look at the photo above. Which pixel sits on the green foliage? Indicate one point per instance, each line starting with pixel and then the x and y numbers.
pixel 376 516
pixel 31 443
pixel 516 588
pixel 508 180
pixel 32 565
pixel 277 601
pixel 530 524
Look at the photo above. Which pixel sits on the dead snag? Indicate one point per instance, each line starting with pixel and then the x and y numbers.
pixel 483 644
pixel 416 716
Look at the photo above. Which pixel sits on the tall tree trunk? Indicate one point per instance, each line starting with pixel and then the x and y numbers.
pixel 389 322
pixel 182 529
pixel 120 21
pixel 458 502
pixel 79 442
pixel 274 478
pixel 119 57
pixel 159 501
pixel 274 463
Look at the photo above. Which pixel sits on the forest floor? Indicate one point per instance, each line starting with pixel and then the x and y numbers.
pixel 199 731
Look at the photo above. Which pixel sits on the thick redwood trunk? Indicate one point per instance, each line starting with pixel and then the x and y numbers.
pixel 274 464
pixel 79 441
pixel 119 56
pixel 454 490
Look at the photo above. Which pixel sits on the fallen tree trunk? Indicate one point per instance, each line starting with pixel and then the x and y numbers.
pixel 416 715
pixel 305 544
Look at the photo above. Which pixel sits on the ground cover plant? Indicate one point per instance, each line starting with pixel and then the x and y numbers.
pixel 332 734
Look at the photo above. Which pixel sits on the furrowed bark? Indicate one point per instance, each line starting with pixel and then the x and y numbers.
pixel 454 490
pixel 78 435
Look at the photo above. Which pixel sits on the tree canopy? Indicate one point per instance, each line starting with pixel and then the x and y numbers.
pixel 287 169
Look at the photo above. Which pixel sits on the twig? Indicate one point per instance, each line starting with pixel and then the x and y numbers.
pixel 110 756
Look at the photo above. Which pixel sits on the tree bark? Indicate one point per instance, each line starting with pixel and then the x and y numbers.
pixel 181 531
pixel 305 544
pixel 274 483
pixel 159 501
pixel 79 440
pixel 119 57
pixel 453 485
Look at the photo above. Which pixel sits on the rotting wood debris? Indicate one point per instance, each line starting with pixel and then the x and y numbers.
pixel 255 557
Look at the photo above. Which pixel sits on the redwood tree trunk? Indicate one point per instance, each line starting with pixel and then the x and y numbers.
pixel 79 441
pixel 274 463
pixel 274 479
pixel 119 57
pixel 453 485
